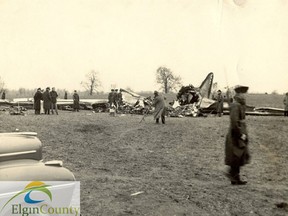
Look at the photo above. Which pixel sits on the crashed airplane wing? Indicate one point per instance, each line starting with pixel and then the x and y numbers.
pixel 86 104
pixel 266 111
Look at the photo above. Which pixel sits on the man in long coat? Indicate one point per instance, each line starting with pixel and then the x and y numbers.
pixel 111 97
pixel 46 101
pixel 219 107
pixel 54 96
pixel 236 145
pixel 37 101
pixel 76 101
pixel 3 97
pixel 285 101
pixel 159 104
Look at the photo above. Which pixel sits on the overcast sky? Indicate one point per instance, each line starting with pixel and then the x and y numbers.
pixel 56 42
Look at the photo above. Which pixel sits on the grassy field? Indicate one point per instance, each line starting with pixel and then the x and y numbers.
pixel 178 167
pixel 265 100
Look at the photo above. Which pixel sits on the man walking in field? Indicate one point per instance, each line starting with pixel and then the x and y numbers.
pixel 236 144
pixel 159 104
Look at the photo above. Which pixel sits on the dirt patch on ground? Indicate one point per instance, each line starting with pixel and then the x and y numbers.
pixel 177 167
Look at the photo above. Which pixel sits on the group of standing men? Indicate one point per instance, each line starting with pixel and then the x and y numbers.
pixel 49 99
pixel 115 98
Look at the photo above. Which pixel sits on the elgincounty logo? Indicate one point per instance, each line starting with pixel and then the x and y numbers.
pixel 36 198
pixel 33 186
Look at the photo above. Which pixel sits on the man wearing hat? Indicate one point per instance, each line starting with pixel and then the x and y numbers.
pixel 46 101
pixel 76 101
pixel 219 99
pixel 111 97
pixel 54 96
pixel 159 104
pixel 236 144
pixel 37 101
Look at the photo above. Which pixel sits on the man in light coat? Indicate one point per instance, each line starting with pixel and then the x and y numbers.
pixel 159 104
pixel 236 144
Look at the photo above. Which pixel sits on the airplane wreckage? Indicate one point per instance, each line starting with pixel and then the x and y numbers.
pixel 190 101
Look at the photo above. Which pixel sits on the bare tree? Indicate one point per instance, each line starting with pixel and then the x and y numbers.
pixel 167 80
pixel 92 82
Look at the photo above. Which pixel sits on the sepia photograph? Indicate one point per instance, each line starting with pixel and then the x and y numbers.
pixel 144 107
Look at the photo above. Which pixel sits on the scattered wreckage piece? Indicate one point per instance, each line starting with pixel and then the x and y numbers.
pixel 27 103
pixel 266 111
pixel 15 107
pixel 133 103
pixel 67 104
pixel 188 95
pixel 18 110
pixel 100 107
pixel 21 160
pixel 185 110
pixel 4 102
pixel 191 101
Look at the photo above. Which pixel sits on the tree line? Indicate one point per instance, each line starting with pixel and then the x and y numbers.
pixel 165 77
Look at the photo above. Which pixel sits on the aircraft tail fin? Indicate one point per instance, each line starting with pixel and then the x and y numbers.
pixel 206 86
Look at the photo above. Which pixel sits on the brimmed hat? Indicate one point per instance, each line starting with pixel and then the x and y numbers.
pixel 241 89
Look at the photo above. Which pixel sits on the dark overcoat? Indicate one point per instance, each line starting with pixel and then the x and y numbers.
pixel 219 103
pixel 76 100
pixel 37 100
pixel 3 96
pixel 111 97
pixel 54 96
pixel 236 149
pixel 46 100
